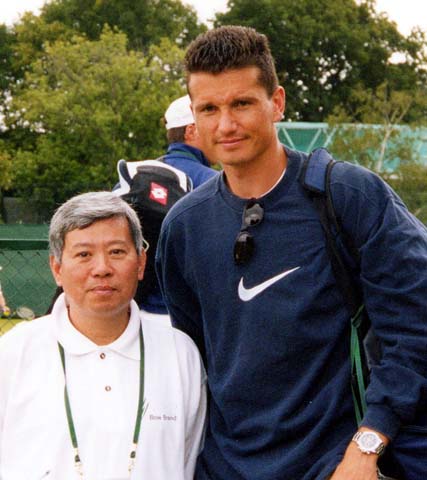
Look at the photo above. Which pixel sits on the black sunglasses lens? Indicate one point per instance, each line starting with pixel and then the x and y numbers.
pixel 243 248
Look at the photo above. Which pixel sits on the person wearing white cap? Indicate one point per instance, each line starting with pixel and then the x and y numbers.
pixel 184 151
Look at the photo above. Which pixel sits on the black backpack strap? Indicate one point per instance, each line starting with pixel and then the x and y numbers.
pixel 316 180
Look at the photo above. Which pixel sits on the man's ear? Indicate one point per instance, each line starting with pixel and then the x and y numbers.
pixel 55 267
pixel 190 134
pixel 142 259
pixel 279 103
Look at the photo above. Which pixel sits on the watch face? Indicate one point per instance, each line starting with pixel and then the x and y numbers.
pixel 369 441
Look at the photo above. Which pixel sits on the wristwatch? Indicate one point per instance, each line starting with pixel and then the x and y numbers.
pixel 369 442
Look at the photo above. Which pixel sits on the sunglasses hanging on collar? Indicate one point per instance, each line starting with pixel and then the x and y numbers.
pixel 244 246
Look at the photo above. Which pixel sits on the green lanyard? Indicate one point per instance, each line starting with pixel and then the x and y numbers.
pixel 139 413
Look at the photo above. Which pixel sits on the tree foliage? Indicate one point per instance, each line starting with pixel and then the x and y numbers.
pixel 323 50
pixel 6 168
pixel 90 103
pixel 6 56
pixel 410 182
pixel 31 34
pixel 145 22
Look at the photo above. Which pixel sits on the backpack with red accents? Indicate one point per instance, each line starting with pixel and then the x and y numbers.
pixel 152 187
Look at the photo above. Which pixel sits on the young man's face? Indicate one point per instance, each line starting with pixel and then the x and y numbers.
pixel 235 116
pixel 100 269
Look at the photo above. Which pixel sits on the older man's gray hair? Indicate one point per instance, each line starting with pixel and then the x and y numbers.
pixel 83 210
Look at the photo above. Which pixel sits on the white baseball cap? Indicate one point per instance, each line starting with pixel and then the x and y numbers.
pixel 179 113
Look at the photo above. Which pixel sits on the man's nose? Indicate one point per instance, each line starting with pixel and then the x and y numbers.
pixel 102 265
pixel 227 122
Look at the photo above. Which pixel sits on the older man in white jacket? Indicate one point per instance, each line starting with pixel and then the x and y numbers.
pixel 97 389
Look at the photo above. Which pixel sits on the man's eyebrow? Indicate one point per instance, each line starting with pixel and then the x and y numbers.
pixel 246 96
pixel 81 244
pixel 203 105
pixel 91 244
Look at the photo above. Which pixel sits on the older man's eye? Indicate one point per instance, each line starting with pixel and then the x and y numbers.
pixel 118 251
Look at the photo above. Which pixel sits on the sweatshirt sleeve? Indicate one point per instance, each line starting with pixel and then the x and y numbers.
pixel 181 301
pixel 393 262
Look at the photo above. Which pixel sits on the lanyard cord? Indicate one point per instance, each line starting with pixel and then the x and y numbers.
pixel 139 413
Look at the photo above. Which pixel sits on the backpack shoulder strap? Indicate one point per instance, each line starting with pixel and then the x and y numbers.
pixel 316 180
pixel 314 171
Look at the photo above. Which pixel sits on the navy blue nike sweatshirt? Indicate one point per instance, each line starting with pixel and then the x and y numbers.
pixel 274 332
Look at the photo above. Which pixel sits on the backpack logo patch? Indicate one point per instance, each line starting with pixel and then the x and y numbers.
pixel 158 193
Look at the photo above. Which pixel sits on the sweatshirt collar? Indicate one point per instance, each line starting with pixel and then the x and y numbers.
pixel 274 194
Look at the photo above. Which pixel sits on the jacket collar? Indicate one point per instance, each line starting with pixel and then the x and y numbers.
pixel 186 151
pixel 75 343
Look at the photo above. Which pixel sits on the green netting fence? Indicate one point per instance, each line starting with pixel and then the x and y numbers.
pixel 25 276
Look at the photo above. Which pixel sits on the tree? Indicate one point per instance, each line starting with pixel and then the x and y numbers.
pixel 6 55
pixel 144 21
pixel 31 34
pixel 6 172
pixel 324 49
pixel 90 103
pixel 24 43
pixel 5 168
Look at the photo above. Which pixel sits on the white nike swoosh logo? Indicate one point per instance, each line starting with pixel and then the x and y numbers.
pixel 246 294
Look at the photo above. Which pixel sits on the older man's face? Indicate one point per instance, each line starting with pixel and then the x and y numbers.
pixel 100 269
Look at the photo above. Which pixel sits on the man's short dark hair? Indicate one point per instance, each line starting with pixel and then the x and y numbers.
pixel 232 47
pixel 176 135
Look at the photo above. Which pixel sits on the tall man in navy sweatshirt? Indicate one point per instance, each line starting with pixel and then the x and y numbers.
pixel 245 272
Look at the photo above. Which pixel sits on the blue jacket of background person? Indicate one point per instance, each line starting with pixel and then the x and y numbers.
pixel 191 161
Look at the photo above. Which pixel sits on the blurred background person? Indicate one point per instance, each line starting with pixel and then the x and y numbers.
pixel 184 151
